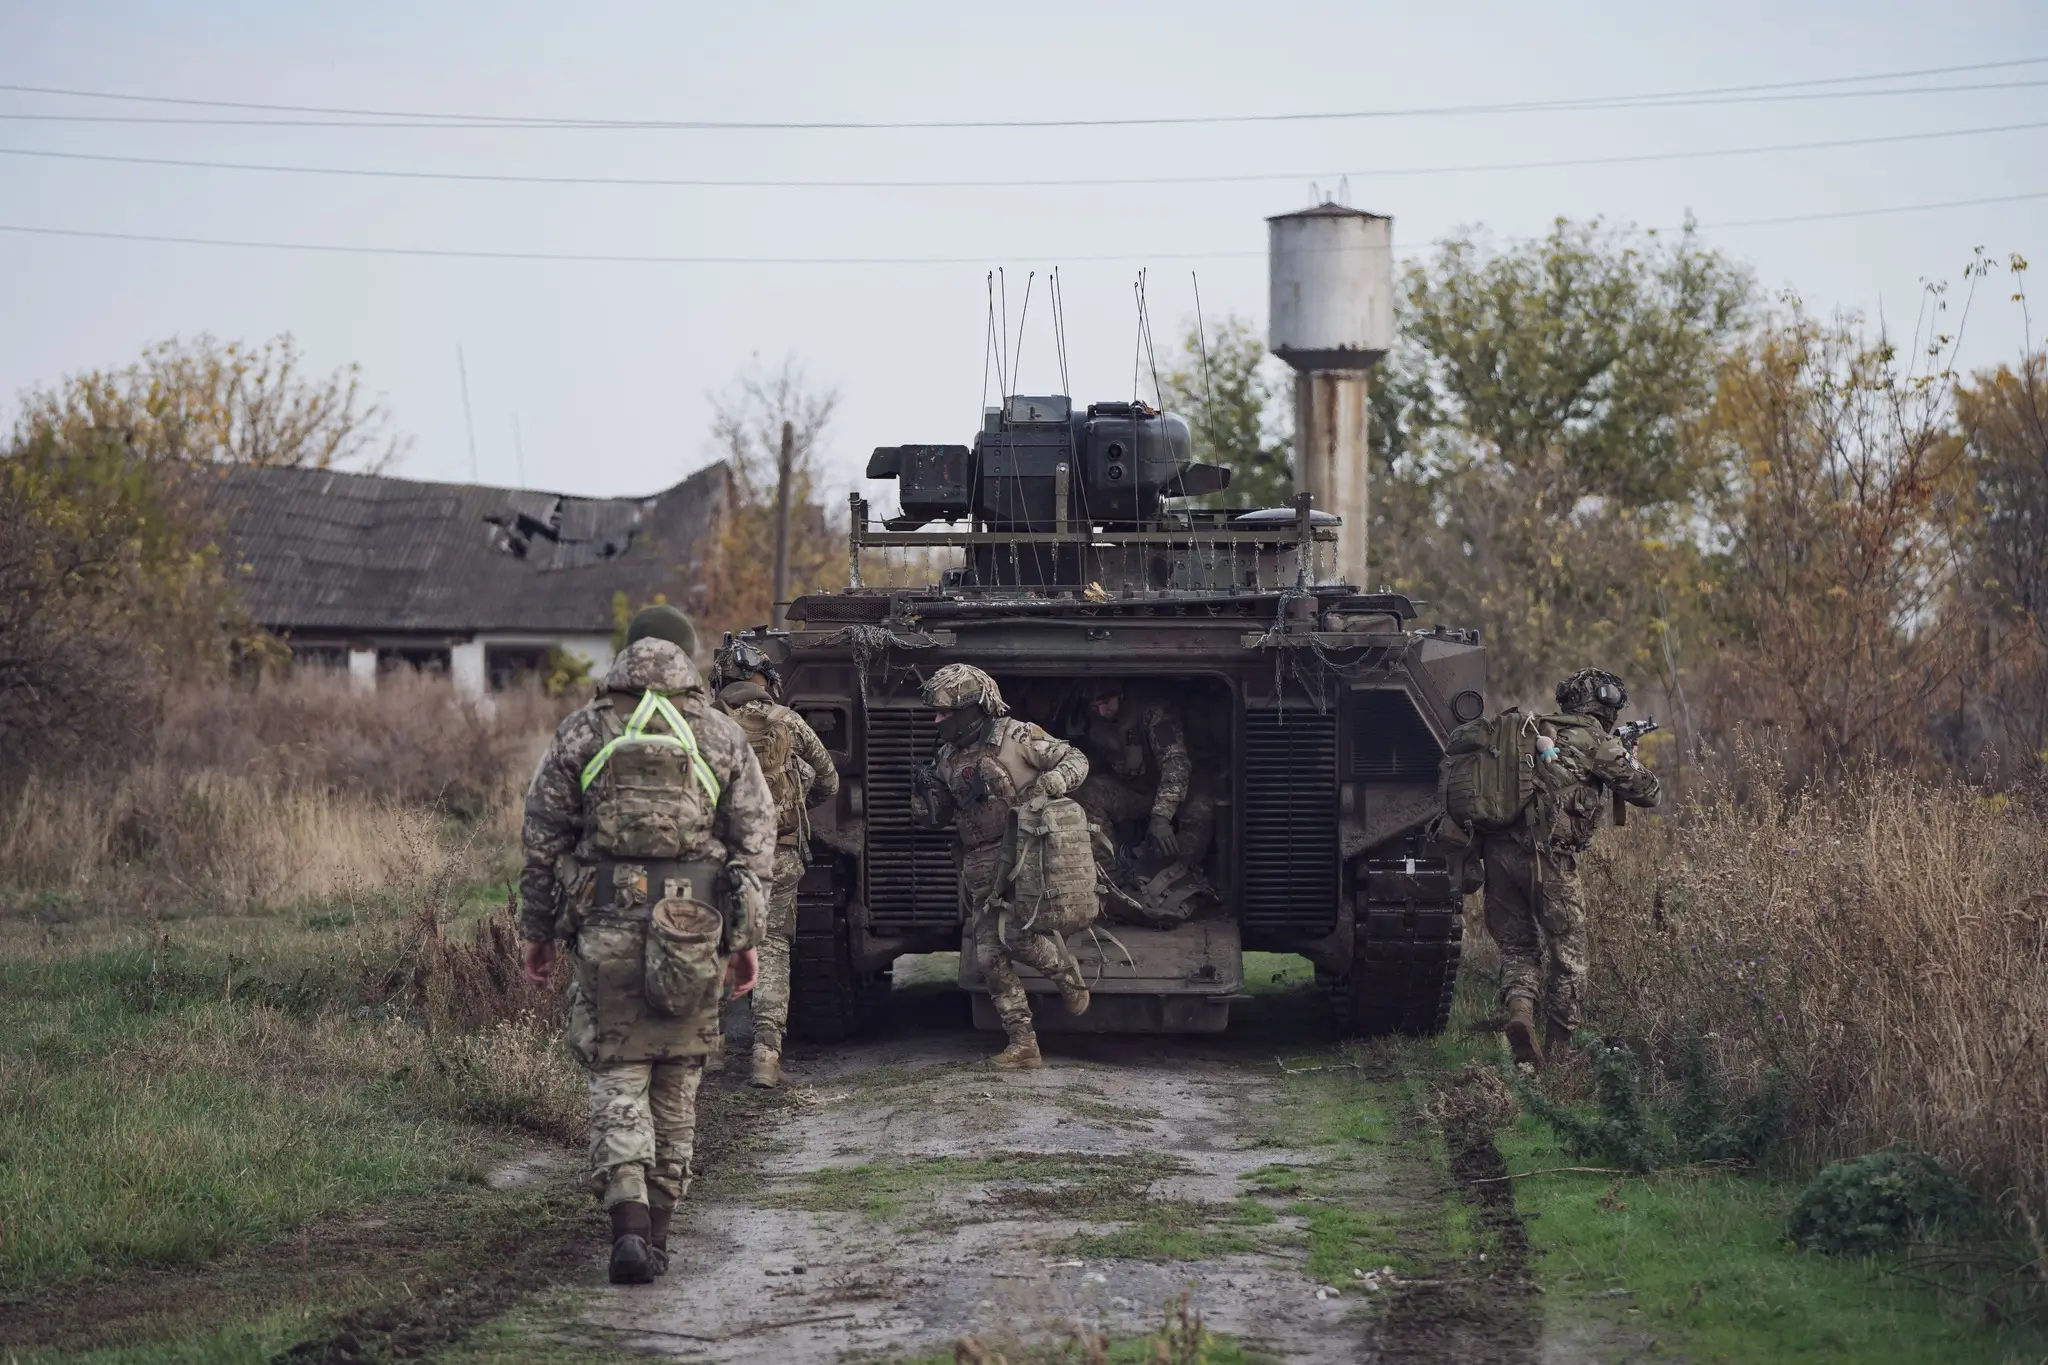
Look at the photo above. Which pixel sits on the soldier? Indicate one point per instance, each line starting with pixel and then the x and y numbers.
pixel 1534 907
pixel 987 764
pixel 800 775
pixel 650 839
pixel 1138 764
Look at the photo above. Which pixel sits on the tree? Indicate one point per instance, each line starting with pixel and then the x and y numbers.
pixel 1535 472
pixel 747 419
pixel 1840 477
pixel 211 402
pixel 1237 409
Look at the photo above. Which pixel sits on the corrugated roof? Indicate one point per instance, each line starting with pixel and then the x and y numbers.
pixel 319 549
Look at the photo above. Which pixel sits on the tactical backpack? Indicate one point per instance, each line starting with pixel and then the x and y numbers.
pixel 768 737
pixel 650 796
pixel 1045 874
pixel 647 794
pixel 1488 776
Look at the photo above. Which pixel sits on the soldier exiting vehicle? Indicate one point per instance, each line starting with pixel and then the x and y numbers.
pixel 1139 766
pixel 987 765
pixel 1532 787
pixel 649 839
pixel 800 775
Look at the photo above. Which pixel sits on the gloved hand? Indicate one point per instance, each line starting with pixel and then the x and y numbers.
pixel 1159 836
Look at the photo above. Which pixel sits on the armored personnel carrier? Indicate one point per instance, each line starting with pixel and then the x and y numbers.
pixel 1316 712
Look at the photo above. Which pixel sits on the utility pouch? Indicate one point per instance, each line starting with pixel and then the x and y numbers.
pixel 682 971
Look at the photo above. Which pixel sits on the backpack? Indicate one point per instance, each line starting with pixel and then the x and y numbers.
pixel 1488 775
pixel 768 737
pixel 649 793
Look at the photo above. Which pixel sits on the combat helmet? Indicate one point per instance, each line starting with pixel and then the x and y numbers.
pixel 1590 690
pixel 956 685
pixel 740 660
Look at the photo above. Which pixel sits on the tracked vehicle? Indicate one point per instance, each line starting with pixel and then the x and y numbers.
pixel 1316 710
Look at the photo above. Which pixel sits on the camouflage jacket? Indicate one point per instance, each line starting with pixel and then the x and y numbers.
pixel 979 783
pixel 742 833
pixel 1146 745
pixel 1575 784
pixel 816 770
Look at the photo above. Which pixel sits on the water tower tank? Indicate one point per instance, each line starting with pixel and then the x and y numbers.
pixel 1332 304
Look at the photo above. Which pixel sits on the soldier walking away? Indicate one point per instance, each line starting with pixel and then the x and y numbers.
pixel 650 840
pixel 1139 765
pixel 800 775
pixel 988 764
pixel 1535 910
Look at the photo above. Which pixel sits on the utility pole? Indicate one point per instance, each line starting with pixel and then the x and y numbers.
pixel 778 612
pixel 462 369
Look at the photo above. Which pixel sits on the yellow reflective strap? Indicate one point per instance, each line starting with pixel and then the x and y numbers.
pixel 705 777
pixel 653 704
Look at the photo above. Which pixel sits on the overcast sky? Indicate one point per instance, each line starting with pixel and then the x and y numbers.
pixel 608 368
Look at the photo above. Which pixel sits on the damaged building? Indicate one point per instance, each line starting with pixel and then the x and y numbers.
pixel 369 573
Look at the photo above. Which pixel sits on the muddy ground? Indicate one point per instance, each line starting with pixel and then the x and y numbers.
pixel 908 1195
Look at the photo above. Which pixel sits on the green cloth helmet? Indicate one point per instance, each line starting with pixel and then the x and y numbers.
pixel 663 622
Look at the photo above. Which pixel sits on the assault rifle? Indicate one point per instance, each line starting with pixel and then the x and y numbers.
pixel 1631 735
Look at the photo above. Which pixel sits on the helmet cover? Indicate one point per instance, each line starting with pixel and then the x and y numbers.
pixel 1592 689
pixel 957 684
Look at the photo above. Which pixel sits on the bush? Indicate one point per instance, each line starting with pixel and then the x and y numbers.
pixel 1879 1202
pixel 1627 1129
pixel 1877 942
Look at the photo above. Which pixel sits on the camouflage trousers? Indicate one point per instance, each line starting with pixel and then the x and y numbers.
pixel 1109 801
pixel 1537 917
pixel 1039 950
pixel 643 1130
pixel 771 992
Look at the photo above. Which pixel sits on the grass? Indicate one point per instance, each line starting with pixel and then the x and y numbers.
pixel 1700 1263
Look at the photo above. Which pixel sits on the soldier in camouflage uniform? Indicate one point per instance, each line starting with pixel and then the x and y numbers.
pixel 1138 765
pixel 988 763
pixel 1535 910
pixel 800 775
pixel 684 772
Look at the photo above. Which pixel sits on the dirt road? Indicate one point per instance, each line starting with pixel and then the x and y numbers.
pixel 909 1195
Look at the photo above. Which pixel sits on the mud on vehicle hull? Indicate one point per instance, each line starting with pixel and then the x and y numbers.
pixel 1319 714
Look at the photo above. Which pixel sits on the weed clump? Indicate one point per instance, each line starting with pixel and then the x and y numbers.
pixel 1879 1202
pixel 1629 1129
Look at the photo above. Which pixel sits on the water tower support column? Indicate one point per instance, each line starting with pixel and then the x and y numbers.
pixel 1331 411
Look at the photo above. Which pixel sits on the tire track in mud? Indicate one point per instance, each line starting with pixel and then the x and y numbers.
pixel 1484 1311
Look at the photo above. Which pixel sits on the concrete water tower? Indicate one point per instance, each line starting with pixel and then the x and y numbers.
pixel 1332 320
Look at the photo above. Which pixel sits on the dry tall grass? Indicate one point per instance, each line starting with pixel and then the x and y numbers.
pixel 1883 943
pixel 289 792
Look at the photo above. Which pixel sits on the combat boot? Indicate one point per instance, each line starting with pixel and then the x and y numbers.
pixel 1557 1038
pixel 767 1067
pixel 1521 1031
pixel 1021 1055
pixel 657 1237
pixel 632 1257
pixel 1075 997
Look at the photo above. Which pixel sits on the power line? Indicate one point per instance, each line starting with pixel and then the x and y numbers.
pixel 599 258
pixel 1771 92
pixel 665 182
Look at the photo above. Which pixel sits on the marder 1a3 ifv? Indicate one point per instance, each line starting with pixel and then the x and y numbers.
pixel 1316 713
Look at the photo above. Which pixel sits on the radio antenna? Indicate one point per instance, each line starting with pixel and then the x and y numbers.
pixel 1017 356
pixel 1003 337
pixel 1059 327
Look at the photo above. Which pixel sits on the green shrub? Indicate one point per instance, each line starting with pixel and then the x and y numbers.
pixel 1878 1202
pixel 1625 1129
